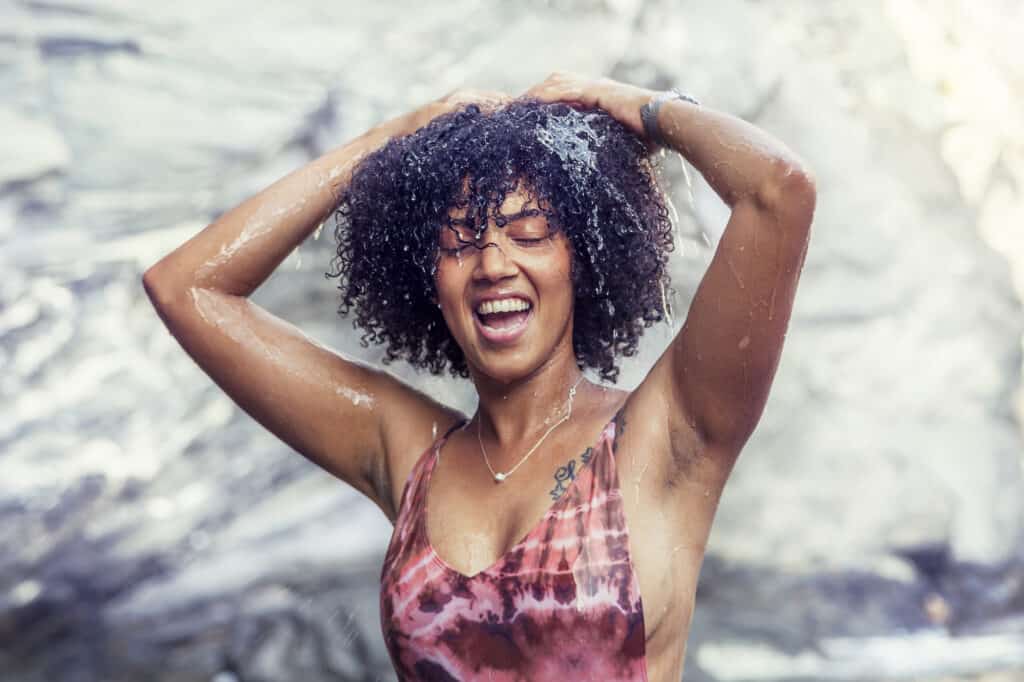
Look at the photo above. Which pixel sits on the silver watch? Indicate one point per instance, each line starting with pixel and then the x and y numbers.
pixel 649 113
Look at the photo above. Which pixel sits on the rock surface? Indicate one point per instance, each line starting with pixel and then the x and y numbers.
pixel 873 526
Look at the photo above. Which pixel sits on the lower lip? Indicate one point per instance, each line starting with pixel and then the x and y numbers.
pixel 503 336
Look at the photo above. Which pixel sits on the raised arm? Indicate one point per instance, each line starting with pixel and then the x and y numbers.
pixel 344 416
pixel 723 361
pixel 713 380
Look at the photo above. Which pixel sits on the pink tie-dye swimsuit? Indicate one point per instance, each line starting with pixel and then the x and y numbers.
pixel 562 605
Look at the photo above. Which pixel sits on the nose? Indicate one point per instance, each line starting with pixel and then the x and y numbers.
pixel 492 263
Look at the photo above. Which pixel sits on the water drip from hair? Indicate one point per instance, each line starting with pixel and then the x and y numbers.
pixel 665 307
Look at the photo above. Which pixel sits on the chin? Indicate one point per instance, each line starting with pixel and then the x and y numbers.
pixel 506 367
pixel 502 372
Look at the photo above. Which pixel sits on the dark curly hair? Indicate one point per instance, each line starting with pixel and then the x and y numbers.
pixel 597 183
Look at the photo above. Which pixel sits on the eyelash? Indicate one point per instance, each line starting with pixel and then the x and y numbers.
pixel 459 249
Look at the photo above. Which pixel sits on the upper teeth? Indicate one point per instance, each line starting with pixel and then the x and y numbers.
pixel 505 305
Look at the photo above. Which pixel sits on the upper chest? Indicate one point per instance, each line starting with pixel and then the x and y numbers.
pixel 471 522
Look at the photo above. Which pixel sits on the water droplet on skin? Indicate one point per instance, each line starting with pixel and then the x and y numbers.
pixel 735 272
pixel 686 177
pixel 355 396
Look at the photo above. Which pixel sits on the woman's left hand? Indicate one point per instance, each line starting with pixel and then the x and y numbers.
pixel 621 100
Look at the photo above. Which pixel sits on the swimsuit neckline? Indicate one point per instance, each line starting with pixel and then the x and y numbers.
pixel 585 470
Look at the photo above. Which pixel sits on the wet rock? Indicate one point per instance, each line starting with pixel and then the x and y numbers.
pixel 153 531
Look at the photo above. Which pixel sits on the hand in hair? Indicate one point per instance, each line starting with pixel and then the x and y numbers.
pixel 487 100
pixel 621 100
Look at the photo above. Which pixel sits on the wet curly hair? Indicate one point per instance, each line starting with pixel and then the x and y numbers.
pixel 594 180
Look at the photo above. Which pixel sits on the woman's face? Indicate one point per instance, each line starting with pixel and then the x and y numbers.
pixel 508 299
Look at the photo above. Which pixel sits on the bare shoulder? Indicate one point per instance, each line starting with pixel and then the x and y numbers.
pixel 641 428
pixel 671 475
pixel 676 458
pixel 415 420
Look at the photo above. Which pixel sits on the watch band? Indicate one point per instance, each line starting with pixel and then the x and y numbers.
pixel 649 113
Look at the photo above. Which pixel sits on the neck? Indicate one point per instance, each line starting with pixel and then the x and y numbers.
pixel 514 415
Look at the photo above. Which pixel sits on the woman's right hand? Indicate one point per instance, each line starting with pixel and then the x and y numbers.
pixel 487 100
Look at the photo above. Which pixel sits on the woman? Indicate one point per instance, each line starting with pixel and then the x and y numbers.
pixel 494 237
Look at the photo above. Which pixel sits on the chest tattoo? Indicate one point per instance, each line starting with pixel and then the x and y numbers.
pixel 565 475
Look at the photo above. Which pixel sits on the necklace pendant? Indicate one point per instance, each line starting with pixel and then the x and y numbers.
pixel 499 477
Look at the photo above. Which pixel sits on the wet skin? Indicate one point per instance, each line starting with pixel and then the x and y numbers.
pixel 522 388
pixel 367 428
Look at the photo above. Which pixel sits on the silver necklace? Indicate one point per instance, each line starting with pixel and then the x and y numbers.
pixel 499 476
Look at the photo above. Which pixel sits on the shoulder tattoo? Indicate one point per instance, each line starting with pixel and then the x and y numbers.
pixel 565 475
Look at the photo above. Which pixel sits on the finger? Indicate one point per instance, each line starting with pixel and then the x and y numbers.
pixel 543 92
pixel 557 94
pixel 487 98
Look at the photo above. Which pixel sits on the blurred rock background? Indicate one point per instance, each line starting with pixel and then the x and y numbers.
pixel 150 530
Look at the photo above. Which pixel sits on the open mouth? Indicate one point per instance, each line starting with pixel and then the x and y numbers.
pixel 504 326
pixel 503 321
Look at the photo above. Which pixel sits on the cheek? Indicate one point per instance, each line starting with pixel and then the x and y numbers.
pixel 564 268
pixel 447 284
pixel 442 276
pixel 558 283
